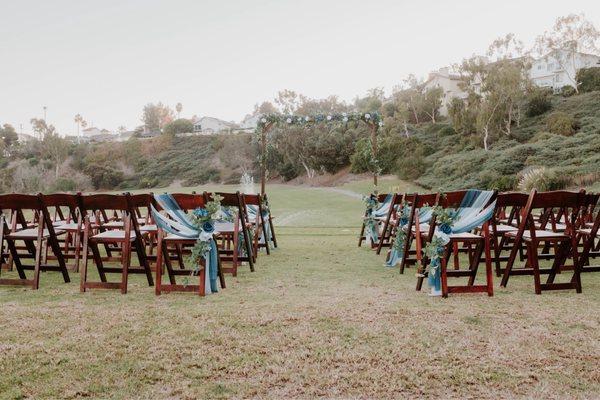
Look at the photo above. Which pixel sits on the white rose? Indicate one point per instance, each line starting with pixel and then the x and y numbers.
pixel 329 118
pixel 345 119
pixel 367 116
pixel 306 118
pixel 205 236
pixel 264 120
pixel 289 120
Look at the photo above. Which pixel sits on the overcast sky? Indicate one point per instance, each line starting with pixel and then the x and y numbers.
pixel 106 59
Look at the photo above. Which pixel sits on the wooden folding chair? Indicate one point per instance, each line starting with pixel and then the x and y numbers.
pixel 65 208
pixel 589 235
pixel 168 243
pixel 258 223
pixel 270 222
pixel 506 219
pixel 476 244
pixel 125 240
pixel 380 199
pixel 236 200
pixel 416 231
pixel 34 239
pixel 564 242
pixel 385 236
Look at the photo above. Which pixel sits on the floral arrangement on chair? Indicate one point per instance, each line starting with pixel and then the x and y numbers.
pixel 371 204
pixel 204 220
pixel 434 250
pixel 402 222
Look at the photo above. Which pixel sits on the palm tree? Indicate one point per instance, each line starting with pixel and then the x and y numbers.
pixel 80 123
pixel 178 107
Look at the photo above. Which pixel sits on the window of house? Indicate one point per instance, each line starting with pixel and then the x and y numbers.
pixel 550 66
pixel 539 67
pixel 557 78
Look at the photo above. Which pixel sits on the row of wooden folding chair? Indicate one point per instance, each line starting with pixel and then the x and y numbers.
pixel 34 237
pixel 362 237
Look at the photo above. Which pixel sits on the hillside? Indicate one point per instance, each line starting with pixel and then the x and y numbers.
pixel 455 161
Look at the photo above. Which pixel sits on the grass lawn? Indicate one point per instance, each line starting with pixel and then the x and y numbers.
pixel 319 318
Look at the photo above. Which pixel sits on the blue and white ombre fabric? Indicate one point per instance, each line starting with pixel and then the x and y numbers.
pixel 472 213
pixel 253 216
pixel 397 249
pixel 178 223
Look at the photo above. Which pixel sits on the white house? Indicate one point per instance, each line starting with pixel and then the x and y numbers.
pixel 449 82
pixel 558 68
pixel 210 126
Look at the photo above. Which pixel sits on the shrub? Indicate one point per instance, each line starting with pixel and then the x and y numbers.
pixel 64 185
pixel 538 102
pixel 288 172
pixel 567 91
pixel 104 176
pixel 588 79
pixel 542 179
pixel 411 164
pixel 492 180
pixel 178 126
pixel 561 123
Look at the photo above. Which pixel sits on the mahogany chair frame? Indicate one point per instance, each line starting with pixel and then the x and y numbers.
pixel 564 243
pixel 380 198
pixel 589 236
pixel 186 202
pixel 129 240
pixel 271 224
pixel 70 222
pixel 413 228
pixel 476 245
pixel 236 200
pixel 34 239
pixel 385 239
pixel 258 224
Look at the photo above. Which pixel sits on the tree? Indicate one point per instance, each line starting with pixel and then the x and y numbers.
pixel 122 129
pixel 41 128
pixel 156 116
pixel 80 122
pixel 178 126
pixel 57 149
pixel 432 101
pixel 569 35
pixel 178 108
pixel 8 135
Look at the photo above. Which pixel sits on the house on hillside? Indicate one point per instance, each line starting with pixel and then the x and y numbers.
pixel 249 123
pixel 94 134
pixel 211 126
pixel 449 83
pixel 559 68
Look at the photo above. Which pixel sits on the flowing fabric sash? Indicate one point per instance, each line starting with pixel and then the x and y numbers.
pixel 179 224
pixel 472 215
pixel 253 214
pixel 397 252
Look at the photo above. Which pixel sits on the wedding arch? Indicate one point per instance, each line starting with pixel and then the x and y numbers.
pixel 266 122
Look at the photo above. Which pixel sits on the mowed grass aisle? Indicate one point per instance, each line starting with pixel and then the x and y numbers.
pixel 319 318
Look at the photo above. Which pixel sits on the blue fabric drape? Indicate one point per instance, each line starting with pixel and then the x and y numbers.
pixel 396 254
pixel 471 214
pixel 253 214
pixel 179 224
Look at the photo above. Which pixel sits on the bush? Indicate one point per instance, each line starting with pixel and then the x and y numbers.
pixel 64 185
pixel 494 181
pixel 567 91
pixel 104 176
pixel 179 126
pixel 588 79
pixel 288 172
pixel 538 102
pixel 561 123
pixel 411 167
pixel 542 179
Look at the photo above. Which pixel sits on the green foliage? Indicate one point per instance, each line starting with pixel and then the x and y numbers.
pixel 64 185
pixel 542 179
pixel 104 176
pixel 362 160
pixel 567 91
pixel 178 126
pixel 8 135
pixel 538 102
pixel 561 123
pixel 588 79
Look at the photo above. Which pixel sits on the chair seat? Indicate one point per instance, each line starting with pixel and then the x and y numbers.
pixel 502 228
pixel 464 236
pixel 422 228
pixel 31 233
pixel 587 232
pixel 114 224
pixel 59 223
pixel 177 238
pixel 540 235
pixel 148 228
pixel 224 227
pixel 113 235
